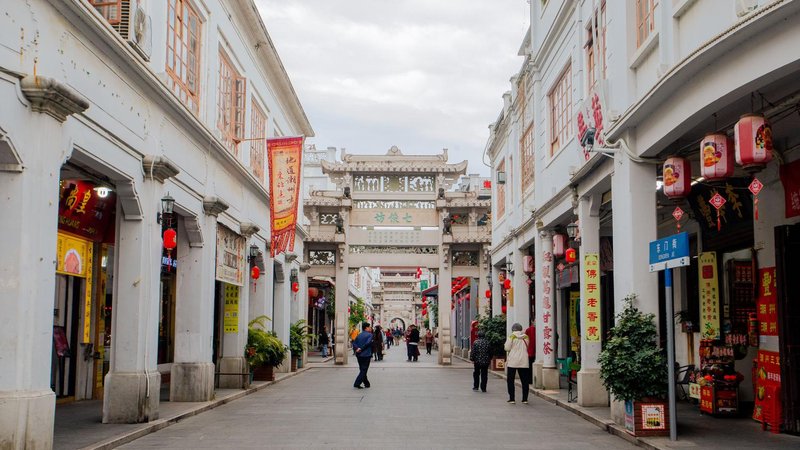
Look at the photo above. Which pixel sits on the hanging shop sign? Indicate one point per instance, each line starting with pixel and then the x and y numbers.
pixel 230 257
pixel 590 114
pixel 735 214
pixel 574 337
pixel 716 156
pixel 709 295
pixel 72 255
pixel 230 321
pixel 767 302
pixel 768 384
pixel 546 317
pixel 790 177
pixel 285 156
pixel 82 211
pixel 591 292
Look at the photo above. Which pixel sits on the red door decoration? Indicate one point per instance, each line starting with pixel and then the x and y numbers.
pixel 716 156
pixel 677 178
pixel 677 214
pixel 717 201
pixel 753 137
pixel 755 187
pixel 559 244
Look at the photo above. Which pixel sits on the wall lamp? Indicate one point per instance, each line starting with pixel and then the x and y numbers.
pixel 509 265
pixel 572 230
pixel 167 206
pixel 253 253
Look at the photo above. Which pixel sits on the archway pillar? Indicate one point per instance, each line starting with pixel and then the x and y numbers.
pixel 445 297
pixel 342 302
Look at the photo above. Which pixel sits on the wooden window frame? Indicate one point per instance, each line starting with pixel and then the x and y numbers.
pixel 560 103
pixel 231 104
pixel 501 192
pixel 258 147
pixel 645 20
pixel 527 158
pixel 104 6
pixel 598 20
pixel 183 52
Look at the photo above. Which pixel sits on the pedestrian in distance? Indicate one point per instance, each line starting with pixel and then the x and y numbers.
pixel 481 357
pixel 428 341
pixel 324 340
pixel 389 338
pixel 412 343
pixel 377 343
pixel 362 347
pixel 531 333
pixel 516 347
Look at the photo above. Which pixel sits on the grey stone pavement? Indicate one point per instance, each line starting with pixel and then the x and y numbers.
pixel 410 405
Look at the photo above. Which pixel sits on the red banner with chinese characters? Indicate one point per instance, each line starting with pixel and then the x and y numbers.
pixel 790 177
pixel 768 384
pixel 86 211
pixel 767 302
pixel 285 156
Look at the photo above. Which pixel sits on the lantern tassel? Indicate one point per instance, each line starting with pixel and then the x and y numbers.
pixel 169 259
pixel 719 223
pixel 755 207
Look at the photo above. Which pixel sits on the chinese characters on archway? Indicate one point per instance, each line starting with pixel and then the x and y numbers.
pixel 285 155
pixel 591 292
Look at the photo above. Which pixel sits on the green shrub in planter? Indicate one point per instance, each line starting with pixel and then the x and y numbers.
pixel 263 348
pixel 495 330
pixel 298 337
pixel 632 366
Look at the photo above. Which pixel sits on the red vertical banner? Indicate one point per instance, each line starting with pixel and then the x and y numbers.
pixel 284 156
pixel 768 383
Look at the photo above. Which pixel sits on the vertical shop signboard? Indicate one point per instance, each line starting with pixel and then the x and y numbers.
pixel 547 290
pixel 74 257
pixel 709 295
pixel 591 292
pixel 768 383
pixel 574 337
pixel 230 257
pixel 231 308
pixel 284 156
pixel 767 303
pixel 87 296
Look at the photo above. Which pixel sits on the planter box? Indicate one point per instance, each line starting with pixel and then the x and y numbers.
pixel 294 364
pixel 498 364
pixel 649 418
pixel 264 373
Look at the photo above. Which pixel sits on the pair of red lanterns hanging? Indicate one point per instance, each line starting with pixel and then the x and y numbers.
pixel 751 148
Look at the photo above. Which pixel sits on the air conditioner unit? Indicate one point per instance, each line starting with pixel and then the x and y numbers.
pixel 135 28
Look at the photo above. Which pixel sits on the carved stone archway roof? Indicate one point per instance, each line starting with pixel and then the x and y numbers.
pixel 394 161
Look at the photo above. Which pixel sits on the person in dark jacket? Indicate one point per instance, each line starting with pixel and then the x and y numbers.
pixel 481 357
pixel 324 340
pixel 412 343
pixel 362 346
pixel 377 343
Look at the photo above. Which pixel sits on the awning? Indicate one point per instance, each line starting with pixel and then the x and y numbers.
pixel 322 279
pixel 432 291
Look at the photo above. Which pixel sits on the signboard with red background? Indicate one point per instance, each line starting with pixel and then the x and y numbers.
pixel 83 212
pixel 768 371
pixel 284 156
pixel 790 177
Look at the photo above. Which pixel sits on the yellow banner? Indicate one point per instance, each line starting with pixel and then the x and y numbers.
pixel 87 299
pixel 709 295
pixel 73 255
pixel 231 309
pixel 591 295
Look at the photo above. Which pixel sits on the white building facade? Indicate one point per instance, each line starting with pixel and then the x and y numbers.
pixel 110 107
pixel 652 79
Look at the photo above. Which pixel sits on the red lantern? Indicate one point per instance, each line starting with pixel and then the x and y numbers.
pixel 488 293
pixel 571 255
pixel 677 177
pixel 295 287
pixel 313 292
pixel 424 312
pixel 255 272
pixel 716 156
pixel 503 308
pixel 753 136
pixel 559 244
pixel 169 238
pixel 507 283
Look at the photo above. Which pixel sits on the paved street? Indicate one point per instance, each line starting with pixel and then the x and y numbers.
pixel 410 405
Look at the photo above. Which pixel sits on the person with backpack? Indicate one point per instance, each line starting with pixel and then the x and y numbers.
pixel 516 347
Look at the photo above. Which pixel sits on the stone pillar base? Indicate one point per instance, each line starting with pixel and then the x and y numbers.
pixel 551 378
pixel 618 412
pixel 26 419
pixel 591 391
pixel 131 397
pixel 191 382
pixel 237 373
pixel 537 375
pixel 445 355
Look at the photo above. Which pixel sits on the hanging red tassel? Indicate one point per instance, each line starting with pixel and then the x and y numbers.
pixel 719 223
pixel 755 187
pixel 755 207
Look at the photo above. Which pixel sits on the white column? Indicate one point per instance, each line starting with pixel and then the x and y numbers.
pixel 591 391
pixel 131 391
pixel 521 311
pixel 445 296
pixel 342 302
pixel 497 292
pixel 192 373
pixel 485 262
pixel 260 298
pixel 546 312
pixel 282 313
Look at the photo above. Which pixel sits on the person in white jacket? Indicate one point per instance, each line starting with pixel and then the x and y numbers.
pixel 517 362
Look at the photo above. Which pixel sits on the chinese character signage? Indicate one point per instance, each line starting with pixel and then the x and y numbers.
pixel 230 256
pixel 591 292
pixel 736 214
pixel 790 177
pixel 668 252
pixel 768 383
pixel 767 303
pixel 546 319
pixel 574 337
pixel 82 211
pixel 72 255
pixel 284 155
pixel 230 322
pixel 709 295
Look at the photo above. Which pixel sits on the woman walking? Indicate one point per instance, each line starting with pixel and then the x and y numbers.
pixel 428 341
pixel 377 343
pixel 516 347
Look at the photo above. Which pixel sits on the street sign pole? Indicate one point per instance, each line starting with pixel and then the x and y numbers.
pixel 673 423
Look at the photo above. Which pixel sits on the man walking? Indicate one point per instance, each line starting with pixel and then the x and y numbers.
pixel 324 340
pixel 362 346
pixel 481 357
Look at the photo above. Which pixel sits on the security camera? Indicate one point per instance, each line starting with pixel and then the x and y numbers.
pixel 587 140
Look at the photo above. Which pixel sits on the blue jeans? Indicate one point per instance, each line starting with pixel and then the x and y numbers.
pixel 325 351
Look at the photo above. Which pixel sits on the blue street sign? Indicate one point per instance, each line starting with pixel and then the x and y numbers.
pixel 668 252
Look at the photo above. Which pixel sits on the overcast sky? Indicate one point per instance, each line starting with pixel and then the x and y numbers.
pixel 419 74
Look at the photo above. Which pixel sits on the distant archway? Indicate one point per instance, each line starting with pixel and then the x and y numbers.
pixel 398 322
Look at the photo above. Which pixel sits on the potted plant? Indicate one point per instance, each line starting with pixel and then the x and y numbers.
pixel 634 369
pixel 495 332
pixel 298 340
pixel 264 350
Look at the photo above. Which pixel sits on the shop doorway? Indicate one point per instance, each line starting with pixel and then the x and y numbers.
pixel 66 322
pixel 787 245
